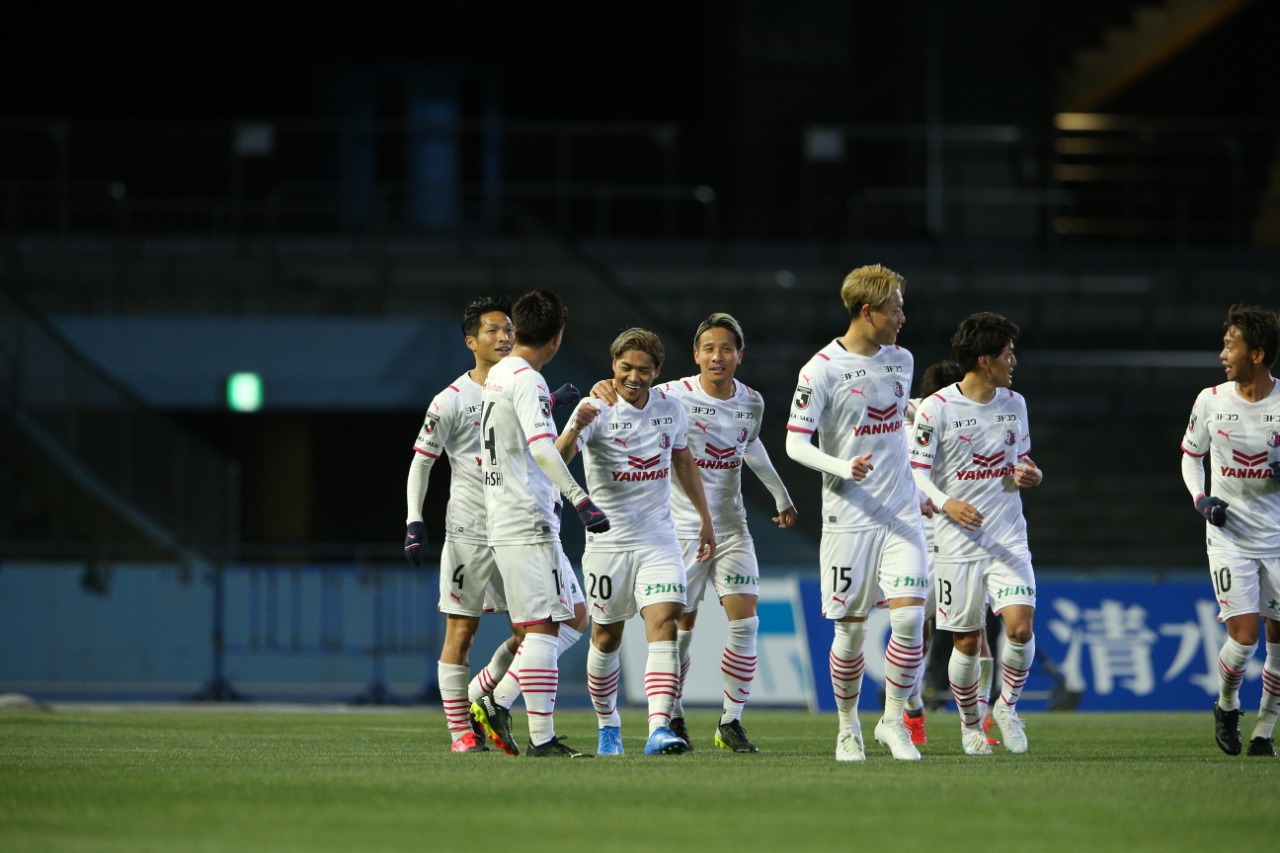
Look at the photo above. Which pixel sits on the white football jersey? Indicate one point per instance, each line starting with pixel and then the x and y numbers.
pixel 1241 439
pixel 452 426
pixel 719 432
pixel 519 497
pixel 970 451
pixel 856 405
pixel 627 457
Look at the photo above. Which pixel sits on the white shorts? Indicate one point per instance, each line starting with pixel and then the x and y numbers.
pixel 734 570
pixel 535 586
pixel 863 567
pixel 568 580
pixel 963 589
pixel 469 580
pixel 622 583
pixel 1244 586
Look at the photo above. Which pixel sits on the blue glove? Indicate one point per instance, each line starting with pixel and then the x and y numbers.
pixel 415 538
pixel 1213 509
pixel 592 518
pixel 565 395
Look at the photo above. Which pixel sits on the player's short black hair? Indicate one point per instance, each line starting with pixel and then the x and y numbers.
pixel 484 305
pixel 539 315
pixel 938 376
pixel 1259 328
pixel 984 333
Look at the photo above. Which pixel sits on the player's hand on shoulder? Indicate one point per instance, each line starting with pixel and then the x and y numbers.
pixel 604 390
pixel 415 540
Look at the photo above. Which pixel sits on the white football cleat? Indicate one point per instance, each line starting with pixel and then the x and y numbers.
pixel 893 734
pixel 1015 739
pixel 975 742
pixel 849 746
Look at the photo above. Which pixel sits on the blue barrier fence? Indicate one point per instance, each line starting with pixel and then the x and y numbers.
pixel 373 611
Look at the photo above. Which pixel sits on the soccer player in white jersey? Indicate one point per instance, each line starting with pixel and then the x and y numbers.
pixel 630 451
pixel 469 581
pixel 725 419
pixel 1237 425
pixel 853 395
pixel 522 471
pixel 970 452
pixel 935 377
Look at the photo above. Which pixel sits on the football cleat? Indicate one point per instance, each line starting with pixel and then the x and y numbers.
pixel 849 746
pixel 469 742
pixel 610 741
pixel 554 748
pixel 915 727
pixel 496 721
pixel 1011 727
pixel 731 736
pixel 893 734
pixel 681 730
pixel 974 742
pixel 1262 746
pixel 663 741
pixel 987 723
pixel 1226 729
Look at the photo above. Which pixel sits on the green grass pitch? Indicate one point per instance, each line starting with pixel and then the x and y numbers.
pixel 252 779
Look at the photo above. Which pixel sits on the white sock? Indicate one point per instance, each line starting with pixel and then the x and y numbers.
pixel 1266 723
pixel 738 666
pixel 1015 666
pixel 847 665
pixel 661 682
pixel 986 673
pixel 566 638
pixel 487 678
pixel 603 671
pixel 684 639
pixel 539 677
pixel 962 671
pixel 902 657
pixel 452 678
pixel 1232 661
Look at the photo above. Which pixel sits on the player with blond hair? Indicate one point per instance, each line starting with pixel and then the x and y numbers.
pixel 853 396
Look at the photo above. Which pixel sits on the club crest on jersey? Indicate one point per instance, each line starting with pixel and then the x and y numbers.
pixel 664 440
pixel 802 397
pixel 742 435
pixel 898 389
pixel 1273 439
pixel 433 421
pixel 924 436
pixel 1010 437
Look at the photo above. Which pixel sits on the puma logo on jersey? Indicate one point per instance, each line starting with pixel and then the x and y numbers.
pixel 838 600
pixel 1225 433
pixel 701 426
pixel 622 441
pixel 859 391
pixel 967 438
pixel 455 597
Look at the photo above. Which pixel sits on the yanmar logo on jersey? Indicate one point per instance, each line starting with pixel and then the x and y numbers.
pixel 645 470
pixel 721 459
pixel 989 466
pixel 1256 467
pixel 880 415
